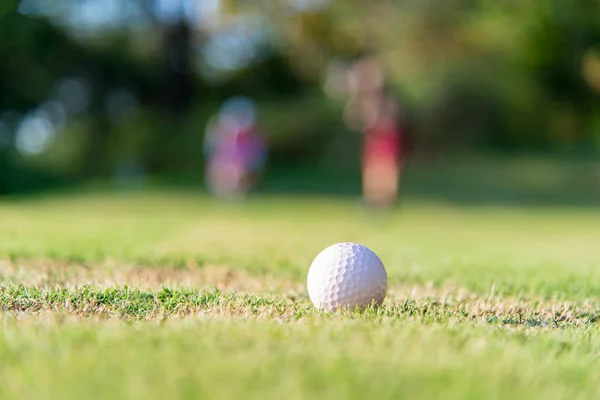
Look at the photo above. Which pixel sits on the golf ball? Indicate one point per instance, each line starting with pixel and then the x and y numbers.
pixel 346 275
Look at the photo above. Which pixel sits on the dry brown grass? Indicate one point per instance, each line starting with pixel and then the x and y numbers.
pixel 223 292
pixel 44 272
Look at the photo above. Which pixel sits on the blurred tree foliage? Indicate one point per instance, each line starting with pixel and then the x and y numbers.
pixel 96 88
pixel 507 74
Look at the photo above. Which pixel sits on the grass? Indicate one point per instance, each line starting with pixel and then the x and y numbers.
pixel 165 294
pixel 134 304
pixel 339 358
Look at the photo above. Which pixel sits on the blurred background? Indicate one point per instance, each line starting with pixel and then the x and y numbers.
pixel 501 100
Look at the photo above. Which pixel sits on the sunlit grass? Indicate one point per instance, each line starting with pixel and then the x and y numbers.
pixel 545 252
pixel 169 295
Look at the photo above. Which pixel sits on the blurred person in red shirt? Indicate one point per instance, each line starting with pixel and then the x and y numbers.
pixel 235 149
pixel 374 111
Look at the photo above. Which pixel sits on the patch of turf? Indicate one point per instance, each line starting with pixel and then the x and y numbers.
pixel 331 359
pixel 545 252
pixel 167 295
pixel 131 303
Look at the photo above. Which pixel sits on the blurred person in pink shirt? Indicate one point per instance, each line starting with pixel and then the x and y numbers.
pixel 235 149
pixel 374 111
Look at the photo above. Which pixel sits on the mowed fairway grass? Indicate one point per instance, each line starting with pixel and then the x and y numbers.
pixel 166 294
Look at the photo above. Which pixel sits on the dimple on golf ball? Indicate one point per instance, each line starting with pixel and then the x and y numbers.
pixel 346 275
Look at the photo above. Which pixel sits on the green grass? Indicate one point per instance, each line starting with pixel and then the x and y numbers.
pixel 330 358
pixel 546 252
pixel 165 294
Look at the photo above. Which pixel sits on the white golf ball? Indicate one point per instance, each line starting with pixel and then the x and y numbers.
pixel 346 275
